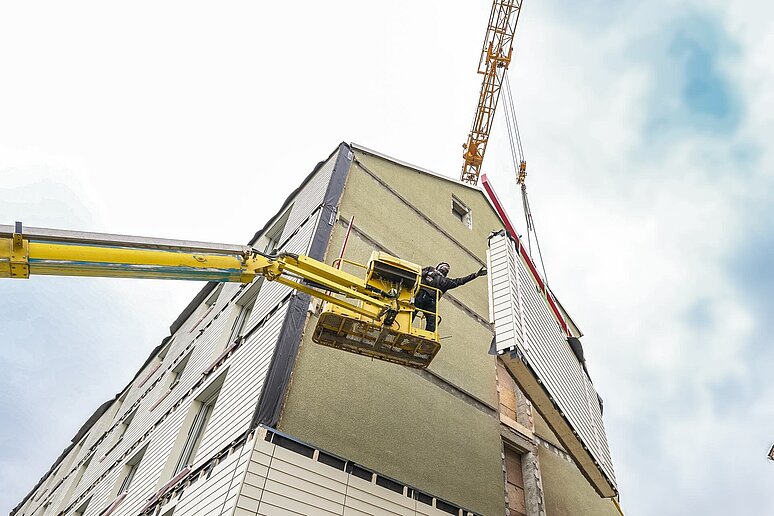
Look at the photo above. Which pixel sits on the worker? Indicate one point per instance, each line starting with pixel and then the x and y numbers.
pixel 435 277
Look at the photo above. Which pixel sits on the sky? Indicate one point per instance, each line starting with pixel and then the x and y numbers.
pixel 645 128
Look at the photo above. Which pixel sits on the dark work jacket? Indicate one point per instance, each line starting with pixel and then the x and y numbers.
pixel 432 278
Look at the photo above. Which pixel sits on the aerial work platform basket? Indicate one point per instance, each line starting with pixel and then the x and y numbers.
pixel 390 337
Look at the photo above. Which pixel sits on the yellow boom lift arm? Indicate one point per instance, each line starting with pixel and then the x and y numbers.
pixel 371 316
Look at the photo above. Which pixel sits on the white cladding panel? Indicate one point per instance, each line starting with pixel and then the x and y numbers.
pixel 524 321
pixel 217 493
pixel 202 336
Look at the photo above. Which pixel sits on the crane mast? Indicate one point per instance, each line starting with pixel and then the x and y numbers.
pixel 493 64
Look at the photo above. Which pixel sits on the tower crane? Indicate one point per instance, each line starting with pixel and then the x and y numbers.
pixel 370 316
pixel 493 65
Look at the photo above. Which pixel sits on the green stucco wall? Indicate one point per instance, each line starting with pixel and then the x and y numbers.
pixel 566 490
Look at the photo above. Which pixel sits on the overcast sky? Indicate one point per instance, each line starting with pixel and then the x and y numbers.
pixel 646 127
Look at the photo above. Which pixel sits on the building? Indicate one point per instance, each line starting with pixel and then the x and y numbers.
pixel 238 412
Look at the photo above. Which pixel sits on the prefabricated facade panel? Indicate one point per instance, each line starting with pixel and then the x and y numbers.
pixel 544 346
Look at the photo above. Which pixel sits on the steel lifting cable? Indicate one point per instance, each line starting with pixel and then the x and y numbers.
pixel 509 104
pixel 517 154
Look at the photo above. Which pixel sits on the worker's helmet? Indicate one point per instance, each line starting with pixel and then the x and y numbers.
pixel 443 268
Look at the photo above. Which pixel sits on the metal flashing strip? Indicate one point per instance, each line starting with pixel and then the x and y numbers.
pixel 455 391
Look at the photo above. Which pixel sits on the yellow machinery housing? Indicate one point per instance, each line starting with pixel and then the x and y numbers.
pixel 393 339
pixel 371 316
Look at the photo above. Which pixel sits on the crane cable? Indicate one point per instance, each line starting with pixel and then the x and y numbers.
pixel 517 154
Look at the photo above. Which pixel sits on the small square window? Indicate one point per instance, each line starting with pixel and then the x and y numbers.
pixel 462 212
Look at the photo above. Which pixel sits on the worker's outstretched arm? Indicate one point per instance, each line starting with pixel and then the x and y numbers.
pixel 450 283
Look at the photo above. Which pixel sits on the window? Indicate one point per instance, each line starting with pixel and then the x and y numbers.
pixel 128 478
pixel 196 431
pixel 130 471
pixel 165 348
pixel 462 212
pixel 76 480
pixel 82 508
pixel 213 297
pixel 514 483
pixel 239 323
pixel 274 234
pixel 125 426
pixel 245 307
pixel 120 402
pixel 177 372
pixel 191 433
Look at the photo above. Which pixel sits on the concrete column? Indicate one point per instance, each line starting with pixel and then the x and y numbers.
pixel 530 466
pixel 533 485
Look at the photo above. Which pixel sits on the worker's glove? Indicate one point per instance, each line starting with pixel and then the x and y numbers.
pixel 481 272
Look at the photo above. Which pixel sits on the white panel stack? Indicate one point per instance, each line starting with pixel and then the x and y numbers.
pixel 534 347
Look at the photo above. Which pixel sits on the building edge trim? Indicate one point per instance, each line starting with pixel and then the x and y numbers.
pixel 283 360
